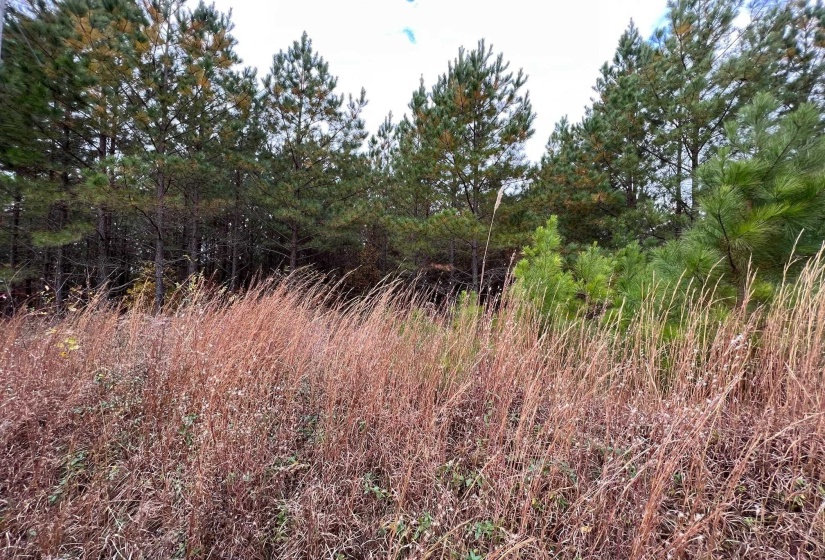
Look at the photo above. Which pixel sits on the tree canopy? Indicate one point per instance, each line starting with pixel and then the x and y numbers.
pixel 136 153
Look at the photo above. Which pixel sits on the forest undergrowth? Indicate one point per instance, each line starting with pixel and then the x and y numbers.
pixel 285 423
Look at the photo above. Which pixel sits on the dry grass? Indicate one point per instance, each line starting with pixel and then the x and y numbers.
pixel 278 425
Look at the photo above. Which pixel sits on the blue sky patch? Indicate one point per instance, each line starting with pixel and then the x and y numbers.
pixel 410 34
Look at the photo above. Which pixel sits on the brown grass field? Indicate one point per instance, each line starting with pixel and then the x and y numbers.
pixel 282 424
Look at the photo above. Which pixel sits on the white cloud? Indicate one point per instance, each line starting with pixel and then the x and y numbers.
pixel 560 45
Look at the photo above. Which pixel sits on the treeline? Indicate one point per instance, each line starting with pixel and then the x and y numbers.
pixel 134 154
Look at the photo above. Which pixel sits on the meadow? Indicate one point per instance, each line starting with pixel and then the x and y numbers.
pixel 291 423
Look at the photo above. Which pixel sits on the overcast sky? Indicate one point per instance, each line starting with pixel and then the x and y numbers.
pixel 385 46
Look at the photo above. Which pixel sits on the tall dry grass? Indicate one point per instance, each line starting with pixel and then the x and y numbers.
pixel 285 425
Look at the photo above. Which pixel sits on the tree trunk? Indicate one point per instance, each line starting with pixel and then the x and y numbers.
pixel 694 181
pixel 474 249
pixel 159 262
pixel 192 234
pixel 162 89
pixel 293 249
pixel 452 265
pixel 11 305
pixel 62 213
pixel 630 195
pixel 103 227
pixel 233 275
pixel 15 229
pixel 233 278
pixel 679 204
pixel 59 278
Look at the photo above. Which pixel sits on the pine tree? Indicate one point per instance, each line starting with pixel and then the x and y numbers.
pixel 174 96
pixel 792 34
pixel 208 50
pixel 762 203
pixel 24 98
pixel 45 145
pixel 105 40
pixel 589 282
pixel 570 185
pixel 598 175
pixel 412 199
pixel 619 141
pixel 468 136
pixel 241 136
pixel 541 275
pixel 313 135
pixel 693 87
pixel 375 259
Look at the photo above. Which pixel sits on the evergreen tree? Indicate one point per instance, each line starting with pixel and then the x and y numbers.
pixel 180 59
pixel 792 34
pixel 45 144
pixel 540 273
pixel 242 138
pixel 312 139
pixel 104 40
pixel 468 136
pixel 568 184
pixel 619 141
pixel 590 281
pixel 412 199
pixel 209 53
pixel 692 89
pixel 133 155
pixel 763 202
